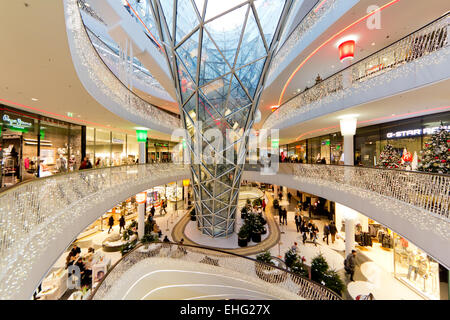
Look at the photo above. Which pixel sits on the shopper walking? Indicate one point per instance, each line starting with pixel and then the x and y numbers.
pixel 333 231
pixel 289 197
pixel 350 264
pixel 298 221
pixel 284 221
pixel 121 223
pixel 110 223
pixel 152 210
pixel 326 232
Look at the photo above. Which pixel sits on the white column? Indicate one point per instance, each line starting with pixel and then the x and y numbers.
pixel 141 220
pixel 285 192
pixel 141 198
pixel 349 216
pixel 349 236
pixel 349 153
pixel 348 130
pixel 142 151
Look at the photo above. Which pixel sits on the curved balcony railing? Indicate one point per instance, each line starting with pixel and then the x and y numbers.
pixel 425 191
pixel 317 13
pixel 430 39
pixel 41 217
pixel 107 82
pixel 110 56
pixel 218 260
pixel 35 213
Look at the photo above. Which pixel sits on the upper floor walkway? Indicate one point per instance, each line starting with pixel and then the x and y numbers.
pixel 41 218
pixel 408 65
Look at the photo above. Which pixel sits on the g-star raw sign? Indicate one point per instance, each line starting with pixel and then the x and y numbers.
pixel 414 132
pixel 16 123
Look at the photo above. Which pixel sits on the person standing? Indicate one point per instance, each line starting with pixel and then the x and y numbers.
pixel 289 197
pixel 333 231
pixel 110 223
pixel 326 232
pixel 350 264
pixel 121 223
pixel 152 210
pixel 285 216
pixel 298 221
pixel 264 205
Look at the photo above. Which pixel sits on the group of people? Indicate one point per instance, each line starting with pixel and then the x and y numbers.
pixel 83 263
pixel 282 213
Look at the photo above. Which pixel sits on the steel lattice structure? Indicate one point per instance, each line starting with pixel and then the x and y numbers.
pixel 218 52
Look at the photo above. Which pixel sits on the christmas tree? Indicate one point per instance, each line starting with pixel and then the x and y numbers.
pixel 436 156
pixel 389 158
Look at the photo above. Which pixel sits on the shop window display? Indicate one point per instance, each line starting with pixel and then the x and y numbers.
pixel 36 146
pixel 415 268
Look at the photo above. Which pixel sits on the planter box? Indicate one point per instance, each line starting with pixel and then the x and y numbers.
pixel 256 237
pixel 242 242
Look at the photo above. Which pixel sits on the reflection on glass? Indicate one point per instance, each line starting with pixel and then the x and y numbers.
pixel 415 268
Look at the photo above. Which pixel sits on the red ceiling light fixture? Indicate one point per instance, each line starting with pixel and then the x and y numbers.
pixel 274 108
pixel 347 50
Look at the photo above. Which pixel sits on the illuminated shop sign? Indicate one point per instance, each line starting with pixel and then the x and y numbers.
pixel 16 123
pixel 414 132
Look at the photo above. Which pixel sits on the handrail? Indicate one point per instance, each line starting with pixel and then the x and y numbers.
pixel 88 30
pixel 428 39
pixel 317 13
pixel 33 213
pixel 308 288
pixel 100 77
pixel 427 192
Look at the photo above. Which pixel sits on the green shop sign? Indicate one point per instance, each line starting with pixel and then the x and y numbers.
pixel 141 135
pixel 17 124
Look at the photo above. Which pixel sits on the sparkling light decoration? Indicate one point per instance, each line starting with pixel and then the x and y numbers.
pixel 105 80
pixel 305 27
pixel 400 61
pixel 279 283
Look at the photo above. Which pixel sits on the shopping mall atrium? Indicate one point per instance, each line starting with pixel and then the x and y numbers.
pixel 225 150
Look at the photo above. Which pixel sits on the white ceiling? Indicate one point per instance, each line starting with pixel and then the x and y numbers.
pixel 397 21
pixel 36 63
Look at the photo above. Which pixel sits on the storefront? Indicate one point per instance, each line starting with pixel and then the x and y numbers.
pixel 107 148
pixel 324 149
pixel 161 151
pixel 409 264
pixel 36 146
pixel 409 135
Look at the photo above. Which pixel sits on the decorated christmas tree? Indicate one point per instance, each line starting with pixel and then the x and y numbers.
pixel 389 158
pixel 436 156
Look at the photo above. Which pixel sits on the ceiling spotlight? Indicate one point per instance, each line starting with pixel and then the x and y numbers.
pixel 373 43
pixel 34 99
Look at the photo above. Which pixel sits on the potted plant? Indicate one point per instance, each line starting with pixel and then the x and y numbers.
pixel 244 212
pixel 257 202
pixel 290 257
pixel 148 238
pixel 265 257
pixel 127 247
pixel 243 236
